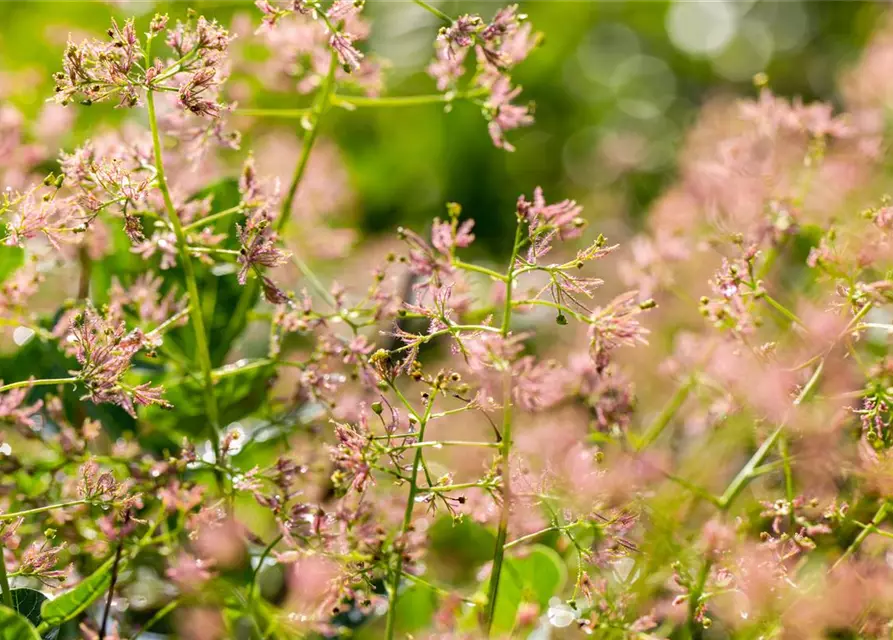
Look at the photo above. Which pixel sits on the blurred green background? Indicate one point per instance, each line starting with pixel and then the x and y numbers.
pixel 615 85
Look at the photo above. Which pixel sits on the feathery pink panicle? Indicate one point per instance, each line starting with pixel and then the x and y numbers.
pixel 295 35
pixel 95 71
pixel 348 55
pixel 17 290
pixel 101 486
pixel 39 561
pixel 259 197
pixel 460 34
pixel 448 236
pixel 205 37
pixel 176 497
pixel 433 267
pixel 313 587
pixel 736 367
pixel 505 116
pixel 486 350
pixel 200 623
pixel 562 217
pixel 616 325
pixel 222 544
pixel 258 251
pixel 538 384
pixel 755 168
pixel 39 213
pixel 100 70
pixel 499 45
pixel 192 95
pixel 190 573
pixel 110 174
pixel 105 351
pixel 732 307
pixel 448 66
pixel 864 85
pixel 13 410
pixel 353 470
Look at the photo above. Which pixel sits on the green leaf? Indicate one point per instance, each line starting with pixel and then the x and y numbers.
pixel 11 258
pixel 508 600
pixel 542 572
pixel 534 577
pixel 72 603
pixel 415 609
pixel 238 395
pixel 27 603
pixel 15 627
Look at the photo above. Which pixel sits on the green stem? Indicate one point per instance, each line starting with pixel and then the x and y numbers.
pixel 436 589
pixel 275 113
pixel 390 623
pixel 211 218
pixel 875 521
pixel 212 251
pixel 31 512
pixel 465 266
pixel 788 480
pixel 810 384
pixel 249 291
pixel 445 443
pixel 36 383
pixel 4 582
pixel 552 304
pixel 310 135
pixel 694 598
pixel 875 325
pixel 740 481
pixel 447 488
pixel 405 101
pixel 451 330
pixel 166 609
pixel 506 448
pixel 195 309
pixel 314 281
pixel 164 326
pixel 536 534
pixel 663 419
pixel 783 310
pixel 252 586
pixel 434 10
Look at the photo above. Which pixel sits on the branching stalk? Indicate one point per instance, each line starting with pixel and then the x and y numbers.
pixel 390 624
pixel 506 449
pixel 195 308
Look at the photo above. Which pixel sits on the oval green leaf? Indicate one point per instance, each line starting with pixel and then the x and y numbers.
pixel 534 577
pixel 27 603
pixel 11 258
pixel 15 627
pixel 72 603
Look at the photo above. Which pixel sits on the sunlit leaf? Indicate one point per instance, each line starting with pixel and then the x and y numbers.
pixel 73 602
pixel 14 626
